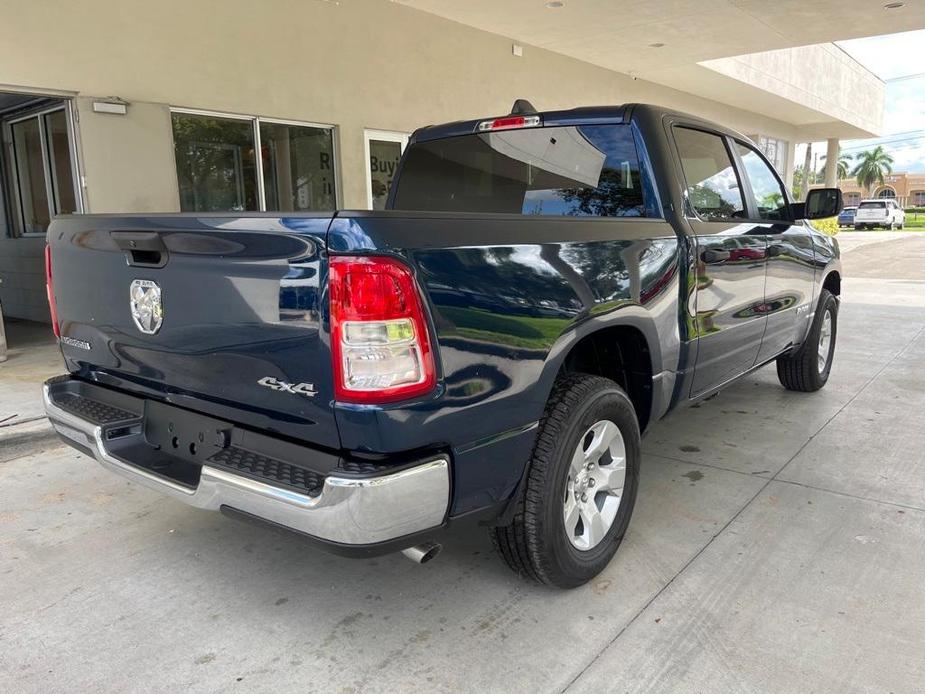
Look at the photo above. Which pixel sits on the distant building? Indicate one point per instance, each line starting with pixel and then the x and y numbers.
pixel 907 188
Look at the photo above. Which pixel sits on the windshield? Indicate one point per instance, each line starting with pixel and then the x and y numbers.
pixel 873 205
pixel 578 171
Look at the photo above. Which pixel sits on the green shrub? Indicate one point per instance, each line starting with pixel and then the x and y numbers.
pixel 826 226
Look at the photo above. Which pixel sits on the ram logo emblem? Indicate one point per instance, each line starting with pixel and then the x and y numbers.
pixel 146 305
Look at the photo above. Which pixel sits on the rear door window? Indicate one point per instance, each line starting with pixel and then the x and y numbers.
pixel 578 171
pixel 712 184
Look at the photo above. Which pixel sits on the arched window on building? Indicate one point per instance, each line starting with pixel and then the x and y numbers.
pixel 886 193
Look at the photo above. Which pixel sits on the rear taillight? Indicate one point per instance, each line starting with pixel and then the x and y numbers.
pixel 50 290
pixel 379 336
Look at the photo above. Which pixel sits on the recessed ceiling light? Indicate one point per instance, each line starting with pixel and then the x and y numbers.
pixel 554 5
pixel 658 44
pixel 894 5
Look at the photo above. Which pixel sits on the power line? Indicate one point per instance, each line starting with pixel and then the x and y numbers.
pixel 906 77
pixel 882 142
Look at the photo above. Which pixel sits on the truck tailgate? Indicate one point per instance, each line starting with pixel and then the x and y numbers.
pixel 201 310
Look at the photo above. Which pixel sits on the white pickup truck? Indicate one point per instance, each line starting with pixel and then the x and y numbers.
pixel 884 213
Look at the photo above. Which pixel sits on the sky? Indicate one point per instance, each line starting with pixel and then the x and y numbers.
pixel 897 60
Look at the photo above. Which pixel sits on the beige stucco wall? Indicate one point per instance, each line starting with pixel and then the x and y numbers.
pixel 358 64
pixel 128 160
pixel 821 78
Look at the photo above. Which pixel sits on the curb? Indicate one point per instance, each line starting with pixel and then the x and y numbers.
pixel 29 437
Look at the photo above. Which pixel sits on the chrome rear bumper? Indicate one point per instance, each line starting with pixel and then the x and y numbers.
pixel 348 510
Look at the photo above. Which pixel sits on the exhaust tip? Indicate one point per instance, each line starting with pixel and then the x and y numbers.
pixel 423 553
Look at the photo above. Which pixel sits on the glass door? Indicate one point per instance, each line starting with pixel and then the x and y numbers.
pixel 383 151
pixel 41 169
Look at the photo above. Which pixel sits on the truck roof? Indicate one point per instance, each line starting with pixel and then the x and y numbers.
pixel 582 115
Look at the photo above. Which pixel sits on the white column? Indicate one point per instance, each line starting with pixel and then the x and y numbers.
pixel 789 165
pixel 831 163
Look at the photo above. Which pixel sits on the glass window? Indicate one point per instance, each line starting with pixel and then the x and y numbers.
pixel 216 167
pixel 384 156
pixel 872 205
pixel 774 150
pixel 918 197
pixel 767 191
pixel 29 165
pixel 588 170
pixel 298 167
pixel 712 184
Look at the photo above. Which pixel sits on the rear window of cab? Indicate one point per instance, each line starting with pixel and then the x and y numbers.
pixel 577 171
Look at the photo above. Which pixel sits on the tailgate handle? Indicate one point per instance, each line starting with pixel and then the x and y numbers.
pixel 142 248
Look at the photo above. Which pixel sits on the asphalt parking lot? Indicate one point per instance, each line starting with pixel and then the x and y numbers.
pixel 776 547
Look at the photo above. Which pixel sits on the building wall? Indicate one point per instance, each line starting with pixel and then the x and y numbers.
pixel 356 65
pixel 909 189
pixel 22 278
pixel 128 161
pixel 820 77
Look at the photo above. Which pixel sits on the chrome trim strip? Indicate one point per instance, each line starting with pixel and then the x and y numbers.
pixel 352 511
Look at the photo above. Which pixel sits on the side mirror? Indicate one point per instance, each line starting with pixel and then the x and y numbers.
pixel 821 203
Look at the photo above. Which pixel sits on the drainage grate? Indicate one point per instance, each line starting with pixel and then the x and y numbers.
pixel 268 469
pixel 96 412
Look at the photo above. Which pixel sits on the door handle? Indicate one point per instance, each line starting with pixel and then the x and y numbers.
pixel 711 255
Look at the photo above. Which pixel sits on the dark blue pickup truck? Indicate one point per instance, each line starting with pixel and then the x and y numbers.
pixel 540 288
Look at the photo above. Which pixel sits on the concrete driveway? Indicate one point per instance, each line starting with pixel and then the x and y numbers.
pixel 776 547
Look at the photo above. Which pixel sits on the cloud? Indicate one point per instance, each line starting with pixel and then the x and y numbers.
pixel 887 56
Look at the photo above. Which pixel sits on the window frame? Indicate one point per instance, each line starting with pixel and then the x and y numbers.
pixel 402 138
pixel 258 150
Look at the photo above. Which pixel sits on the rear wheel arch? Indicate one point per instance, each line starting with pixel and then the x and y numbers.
pixel 621 352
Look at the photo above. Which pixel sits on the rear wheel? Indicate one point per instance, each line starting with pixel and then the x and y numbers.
pixel 580 487
pixel 808 368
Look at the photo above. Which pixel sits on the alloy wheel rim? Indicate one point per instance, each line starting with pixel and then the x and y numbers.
pixel 594 490
pixel 825 340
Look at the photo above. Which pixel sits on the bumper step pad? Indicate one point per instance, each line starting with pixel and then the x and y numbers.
pixel 268 469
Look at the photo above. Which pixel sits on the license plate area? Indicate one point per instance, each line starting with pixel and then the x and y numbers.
pixel 182 434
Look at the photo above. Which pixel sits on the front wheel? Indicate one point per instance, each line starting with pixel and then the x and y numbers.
pixel 580 486
pixel 808 368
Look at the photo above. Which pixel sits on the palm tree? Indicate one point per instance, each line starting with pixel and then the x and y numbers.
pixel 871 166
pixel 844 163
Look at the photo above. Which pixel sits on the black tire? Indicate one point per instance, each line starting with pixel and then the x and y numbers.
pixel 535 544
pixel 800 370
